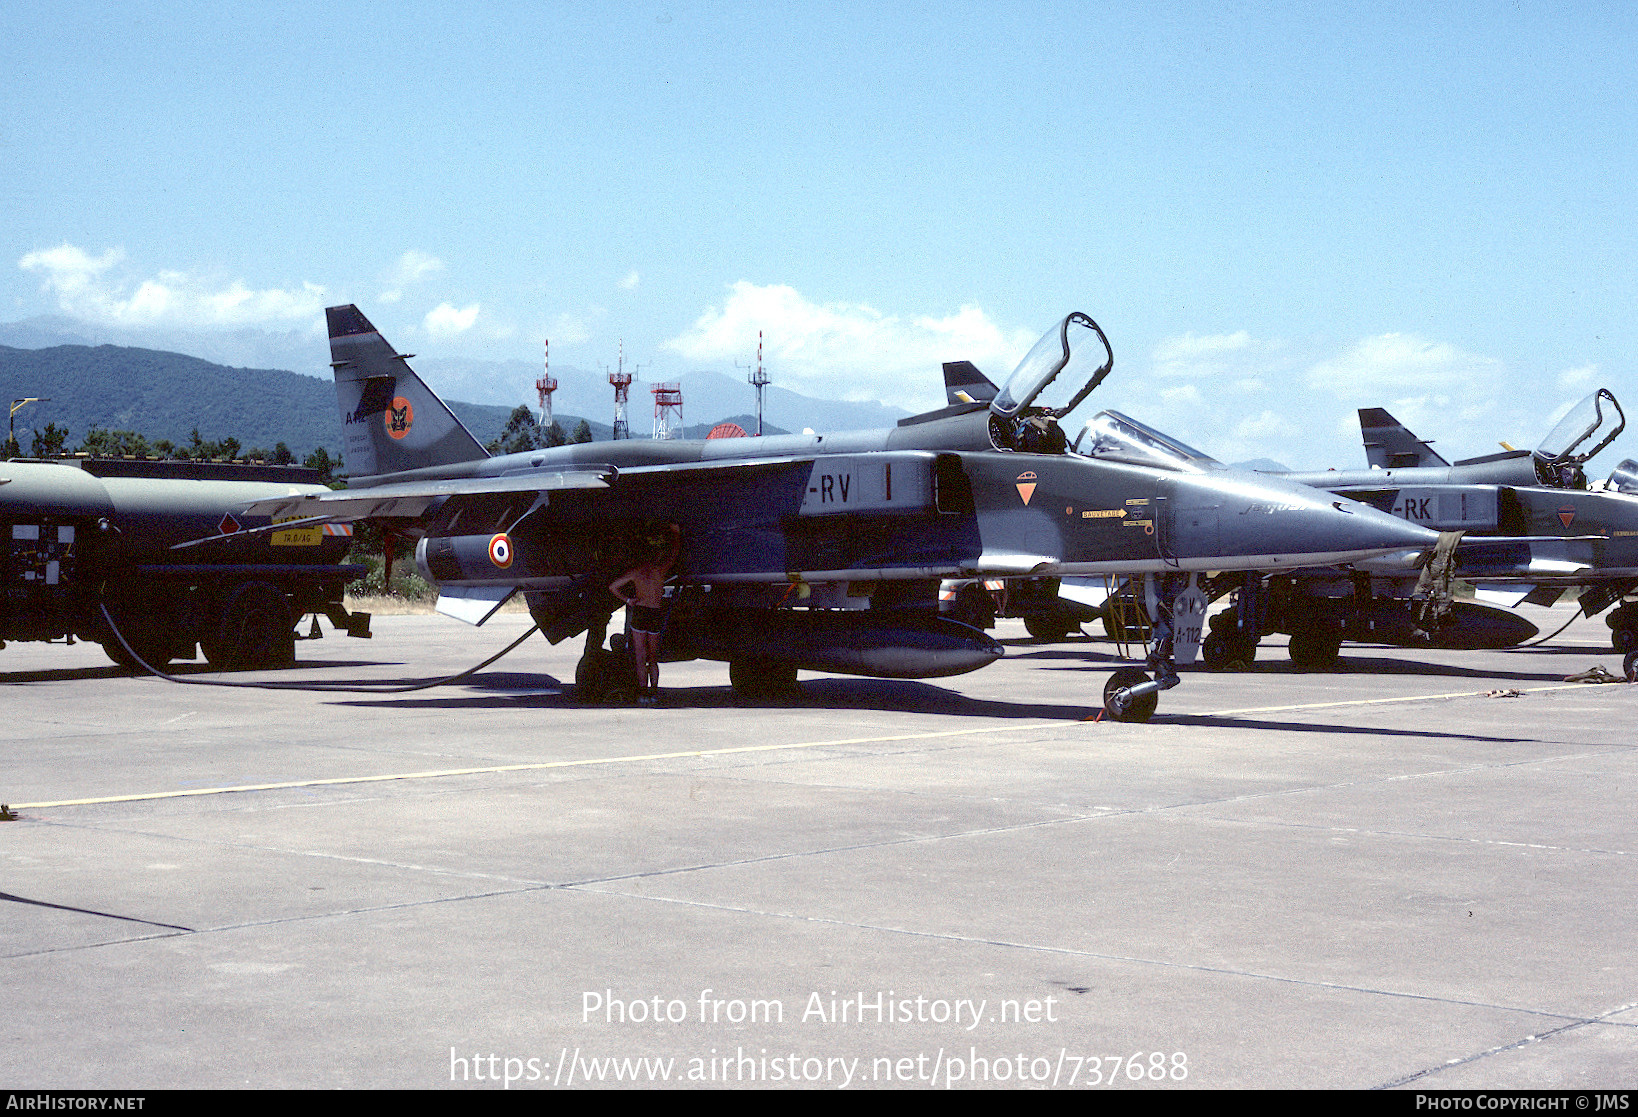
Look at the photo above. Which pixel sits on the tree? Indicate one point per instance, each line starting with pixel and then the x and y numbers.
pixel 555 435
pixel 320 460
pixel 522 433
pixel 101 443
pixel 49 443
pixel 582 433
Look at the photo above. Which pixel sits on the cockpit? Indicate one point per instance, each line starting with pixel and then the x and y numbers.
pixel 1061 370
pixel 1586 429
pixel 1111 436
pixel 1053 379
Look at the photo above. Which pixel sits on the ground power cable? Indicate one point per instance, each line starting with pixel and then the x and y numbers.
pixel 320 685
pixel 1555 632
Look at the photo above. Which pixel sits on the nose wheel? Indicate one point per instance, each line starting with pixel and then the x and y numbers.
pixel 1119 705
pixel 1131 694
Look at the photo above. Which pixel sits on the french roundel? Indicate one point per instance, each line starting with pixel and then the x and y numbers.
pixel 500 550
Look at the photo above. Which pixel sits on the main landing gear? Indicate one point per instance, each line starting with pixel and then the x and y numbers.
pixel 1623 622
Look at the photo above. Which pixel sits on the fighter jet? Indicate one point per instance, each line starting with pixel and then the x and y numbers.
pixel 825 551
pixel 1534 528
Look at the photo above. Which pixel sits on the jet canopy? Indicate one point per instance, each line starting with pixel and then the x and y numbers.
pixel 1624 478
pixel 1111 436
pixel 1594 423
pixel 1069 361
pixel 1580 426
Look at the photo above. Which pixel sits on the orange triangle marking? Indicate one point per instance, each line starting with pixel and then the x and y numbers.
pixel 1026 490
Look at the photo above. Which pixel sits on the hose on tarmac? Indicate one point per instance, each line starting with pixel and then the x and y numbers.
pixel 342 688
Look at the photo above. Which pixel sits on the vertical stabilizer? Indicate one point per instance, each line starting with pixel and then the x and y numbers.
pixel 390 420
pixel 963 383
pixel 1388 445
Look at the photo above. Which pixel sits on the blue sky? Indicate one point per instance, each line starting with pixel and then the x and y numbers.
pixel 1279 213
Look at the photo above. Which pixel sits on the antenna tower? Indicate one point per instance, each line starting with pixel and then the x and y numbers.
pixel 758 378
pixel 621 379
pixel 668 417
pixel 546 386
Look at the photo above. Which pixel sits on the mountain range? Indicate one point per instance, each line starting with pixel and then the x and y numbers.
pixel 92 379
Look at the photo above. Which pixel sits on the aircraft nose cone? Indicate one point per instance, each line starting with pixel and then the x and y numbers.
pixel 1281 524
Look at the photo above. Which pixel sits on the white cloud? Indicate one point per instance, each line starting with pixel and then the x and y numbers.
pixel 570 329
pixel 630 281
pixel 849 350
pixel 1390 362
pixel 444 320
pixel 69 269
pixel 1571 377
pixel 1190 345
pixel 90 287
pixel 1269 427
pixel 412 267
pixel 1466 400
pixel 1197 356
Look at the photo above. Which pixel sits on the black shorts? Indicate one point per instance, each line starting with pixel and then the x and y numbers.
pixel 646 618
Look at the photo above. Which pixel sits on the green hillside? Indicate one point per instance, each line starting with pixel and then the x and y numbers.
pixel 169 395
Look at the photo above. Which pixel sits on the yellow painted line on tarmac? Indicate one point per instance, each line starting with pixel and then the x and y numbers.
pixel 535 767
pixel 1011 727
pixel 1384 701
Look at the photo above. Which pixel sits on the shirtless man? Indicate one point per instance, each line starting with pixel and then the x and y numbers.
pixel 644 602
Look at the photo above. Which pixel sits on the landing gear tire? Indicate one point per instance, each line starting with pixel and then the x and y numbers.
pixel 761 678
pixel 973 607
pixel 1048 627
pixel 1315 648
pixel 1142 709
pixel 1220 650
pixel 256 631
pixel 604 675
pixel 1623 622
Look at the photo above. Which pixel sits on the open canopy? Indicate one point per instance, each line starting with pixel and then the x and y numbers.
pixel 1069 361
pixel 1594 422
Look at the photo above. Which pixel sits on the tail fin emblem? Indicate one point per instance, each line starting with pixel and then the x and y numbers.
pixel 399 417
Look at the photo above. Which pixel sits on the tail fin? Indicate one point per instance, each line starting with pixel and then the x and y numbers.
pixel 1388 445
pixel 390 420
pixel 963 383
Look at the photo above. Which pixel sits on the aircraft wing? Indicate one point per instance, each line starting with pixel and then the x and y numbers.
pixel 410 499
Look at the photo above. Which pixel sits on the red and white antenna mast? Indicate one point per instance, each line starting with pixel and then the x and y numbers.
pixel 758 378
pixel 546 386
pixel 621 379
pixel 668 417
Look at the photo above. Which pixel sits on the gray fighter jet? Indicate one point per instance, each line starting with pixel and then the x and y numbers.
pixel 825 551
pixel 1534 528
